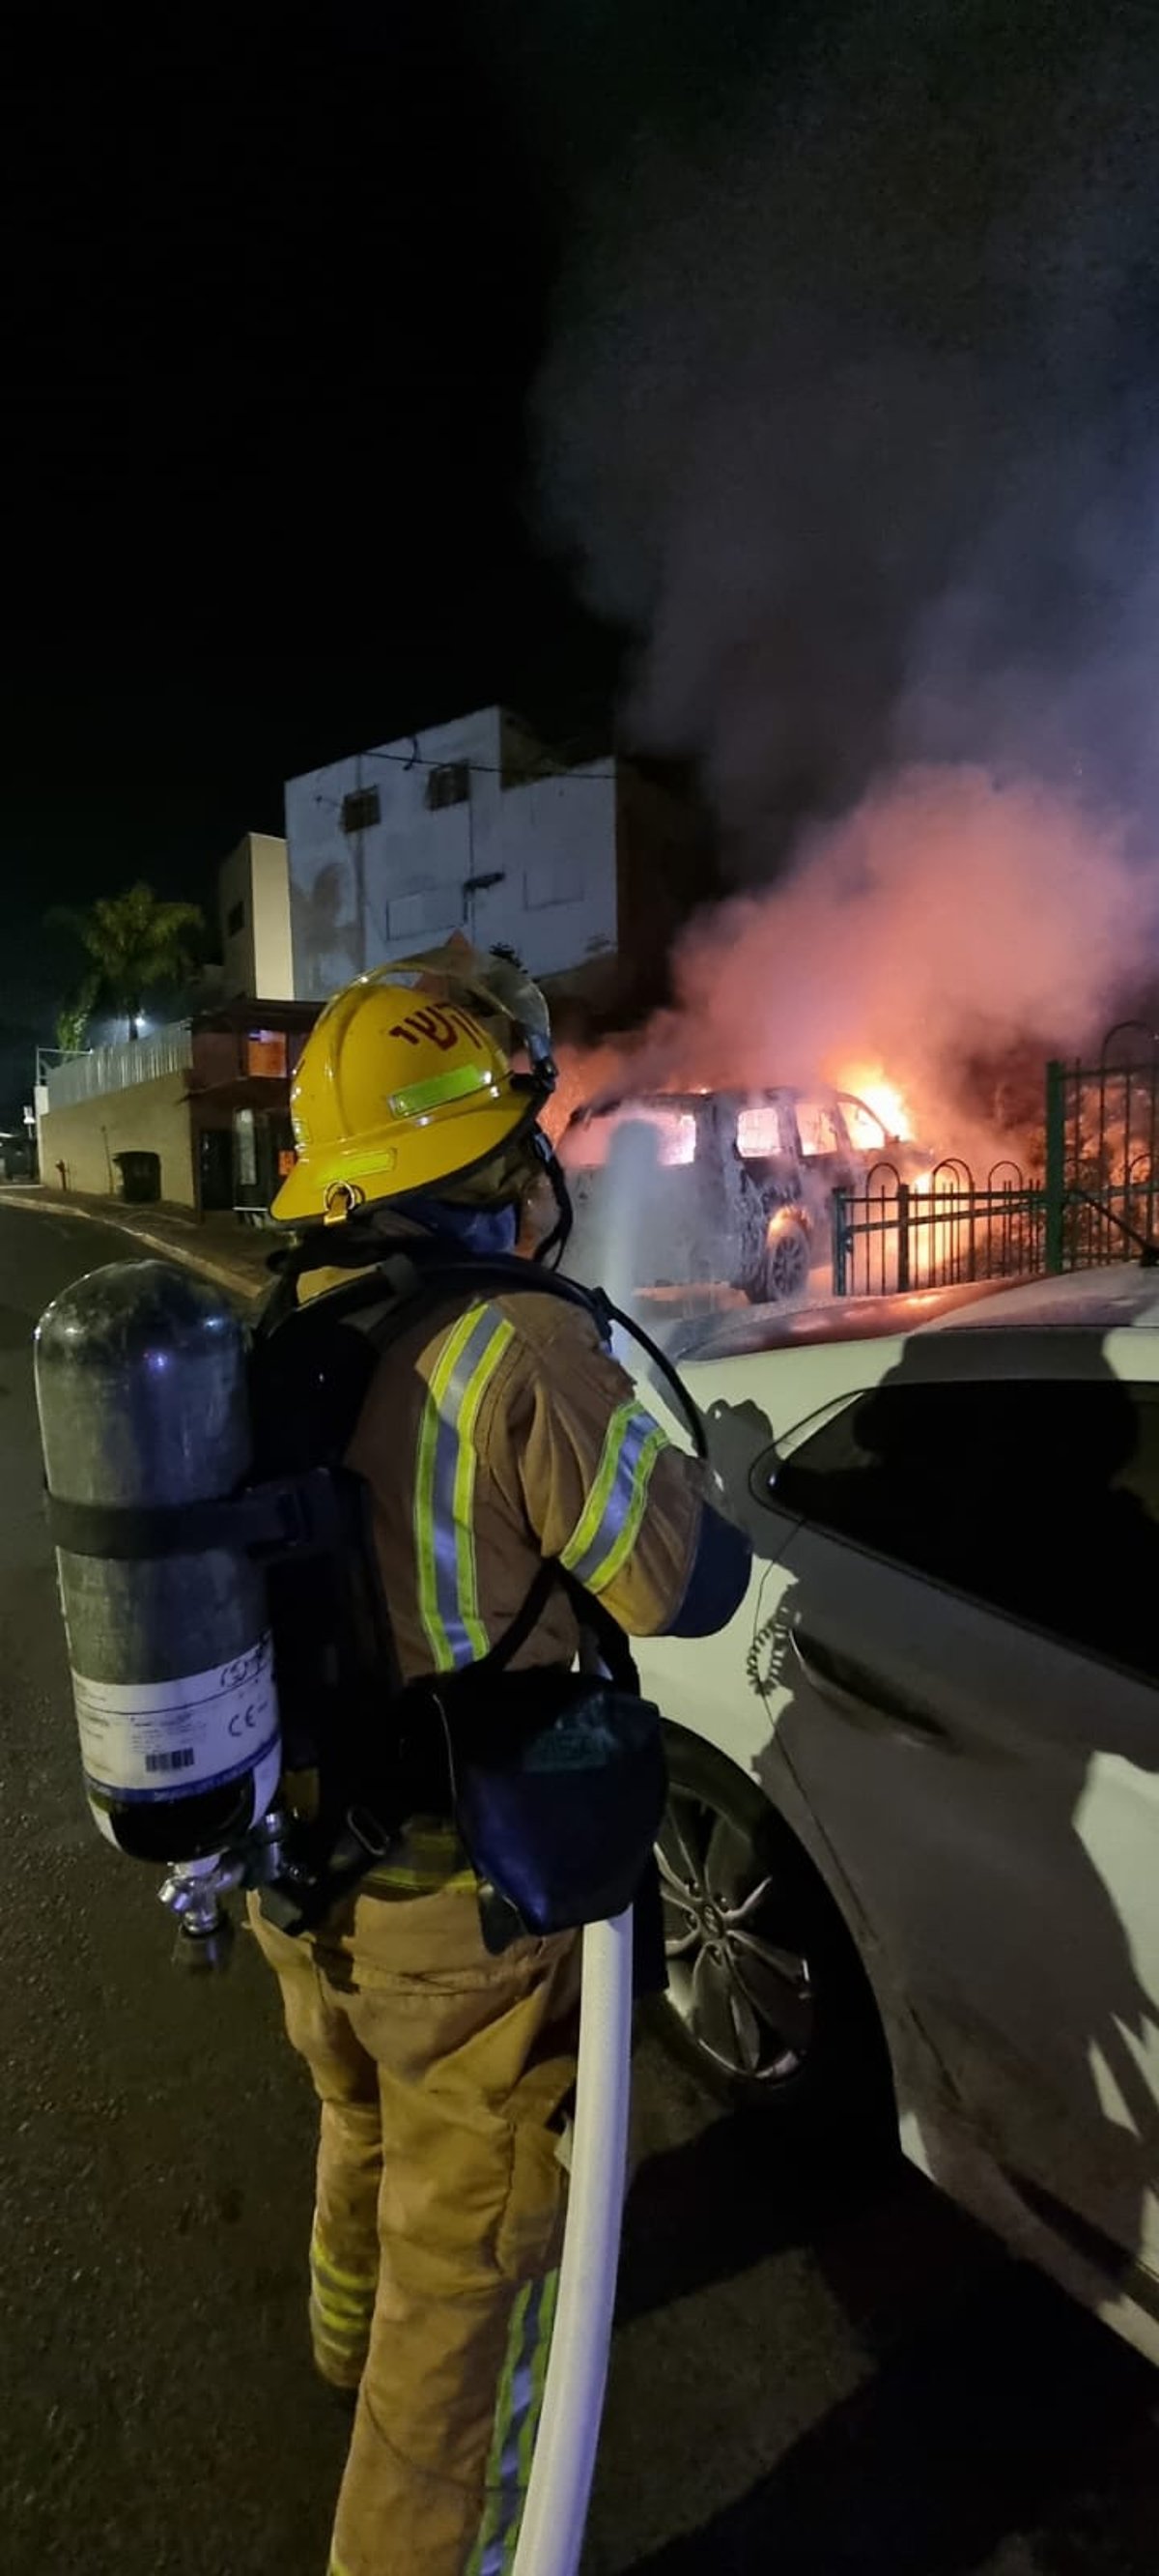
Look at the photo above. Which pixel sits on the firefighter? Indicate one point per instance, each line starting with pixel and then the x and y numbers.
pixel 497 1434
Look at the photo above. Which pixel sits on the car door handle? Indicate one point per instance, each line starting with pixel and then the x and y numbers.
pixel 859 1694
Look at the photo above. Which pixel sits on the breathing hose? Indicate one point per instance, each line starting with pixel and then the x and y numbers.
pixel 555 2512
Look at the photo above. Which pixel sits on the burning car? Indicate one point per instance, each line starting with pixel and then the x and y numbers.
pixel 678 1190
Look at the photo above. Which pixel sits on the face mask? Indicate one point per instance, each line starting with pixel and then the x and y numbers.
pixel 486 1231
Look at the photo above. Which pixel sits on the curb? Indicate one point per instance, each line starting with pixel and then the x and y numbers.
pixel 242 1282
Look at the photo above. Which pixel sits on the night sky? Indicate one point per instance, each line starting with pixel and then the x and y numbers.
pixel 276 300
pixel 276 290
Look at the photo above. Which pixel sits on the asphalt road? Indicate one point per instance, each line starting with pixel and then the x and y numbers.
pixel 811 2376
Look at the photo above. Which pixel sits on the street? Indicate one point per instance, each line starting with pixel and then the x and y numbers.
pixel 814 2373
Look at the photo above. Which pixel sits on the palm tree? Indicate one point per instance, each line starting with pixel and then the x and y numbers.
pixel 134 941
pixel 72 1020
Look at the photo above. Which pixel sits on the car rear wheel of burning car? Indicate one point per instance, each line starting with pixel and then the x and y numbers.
pixel 767 2001
pixel 786 1260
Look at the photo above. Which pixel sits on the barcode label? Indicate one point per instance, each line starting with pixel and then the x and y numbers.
pixel 143 1739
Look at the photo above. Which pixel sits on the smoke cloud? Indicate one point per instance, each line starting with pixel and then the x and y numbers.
pixel 945 916
pixel 848 416
pixel 848 419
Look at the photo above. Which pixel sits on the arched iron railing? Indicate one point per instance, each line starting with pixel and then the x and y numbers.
pixel 1098 1200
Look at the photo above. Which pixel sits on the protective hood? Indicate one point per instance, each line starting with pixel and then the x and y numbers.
pixel 483 1231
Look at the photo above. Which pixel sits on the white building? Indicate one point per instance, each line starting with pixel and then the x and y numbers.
pixel 472 826
pixel 253 896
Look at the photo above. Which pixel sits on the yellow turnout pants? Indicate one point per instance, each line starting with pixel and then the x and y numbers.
pixel 438 2216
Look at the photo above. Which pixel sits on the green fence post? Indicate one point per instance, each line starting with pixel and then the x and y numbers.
pixel 840 1242
pixel 1055 1189
pixel 903 1243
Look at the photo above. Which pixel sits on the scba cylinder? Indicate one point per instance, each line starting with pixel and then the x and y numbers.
pixel 144 1408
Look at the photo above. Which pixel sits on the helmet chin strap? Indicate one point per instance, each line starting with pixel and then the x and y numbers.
pixel 549 1162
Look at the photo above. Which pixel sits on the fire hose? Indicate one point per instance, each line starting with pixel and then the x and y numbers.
pixel 555 2513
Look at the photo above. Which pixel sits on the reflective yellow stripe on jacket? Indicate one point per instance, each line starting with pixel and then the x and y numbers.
pixel 516 2420
pixel 445 1488
pixel 605 1532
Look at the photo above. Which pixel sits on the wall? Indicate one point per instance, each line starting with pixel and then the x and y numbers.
pixel 150 1117
pixel 124 1066
pixel 406 880
pixel 257 955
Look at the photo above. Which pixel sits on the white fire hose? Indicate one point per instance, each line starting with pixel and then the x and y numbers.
pixel 555 2512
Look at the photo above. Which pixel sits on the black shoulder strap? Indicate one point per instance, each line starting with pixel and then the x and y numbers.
pixel 383 1300
pixel 393 1287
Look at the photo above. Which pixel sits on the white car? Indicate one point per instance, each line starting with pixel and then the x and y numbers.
pixel 912 1848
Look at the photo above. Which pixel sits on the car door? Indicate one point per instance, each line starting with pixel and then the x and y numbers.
pixel 827 1157
pixel 969 1703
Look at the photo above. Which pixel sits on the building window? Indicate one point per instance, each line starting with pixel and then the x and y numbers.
pixel 235 919
pixel 449 784
pixel 265 1053
pixel 558 880
pixel 360 809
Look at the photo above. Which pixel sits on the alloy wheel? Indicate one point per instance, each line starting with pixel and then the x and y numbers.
pixel 744 1996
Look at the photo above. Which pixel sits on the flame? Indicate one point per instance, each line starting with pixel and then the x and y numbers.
pixel 871 1084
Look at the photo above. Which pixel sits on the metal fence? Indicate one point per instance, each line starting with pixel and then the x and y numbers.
pixel 87 1075
pixel 1102 1151
pixel 939 1232
pixel 1098 1200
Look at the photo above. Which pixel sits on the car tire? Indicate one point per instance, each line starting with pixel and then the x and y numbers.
pixel 767 2002
pixel 784 1273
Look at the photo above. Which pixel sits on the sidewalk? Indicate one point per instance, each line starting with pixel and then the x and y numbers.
pixel 233 1255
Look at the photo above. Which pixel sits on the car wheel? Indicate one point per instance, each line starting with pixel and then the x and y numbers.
pixel 767 2000
pixel 785 1270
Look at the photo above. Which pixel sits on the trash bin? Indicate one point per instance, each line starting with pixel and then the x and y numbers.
pixel 140 1177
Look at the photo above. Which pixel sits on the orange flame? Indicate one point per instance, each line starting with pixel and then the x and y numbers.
pixel 871 1084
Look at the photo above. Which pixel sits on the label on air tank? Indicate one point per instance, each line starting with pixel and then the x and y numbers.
pixel 143 1740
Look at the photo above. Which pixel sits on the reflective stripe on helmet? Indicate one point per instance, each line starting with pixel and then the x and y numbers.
pixel 439 1088
pixel 445 1487
pixel 605 1532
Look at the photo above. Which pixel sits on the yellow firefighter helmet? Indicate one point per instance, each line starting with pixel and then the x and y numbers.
pixel 401 1087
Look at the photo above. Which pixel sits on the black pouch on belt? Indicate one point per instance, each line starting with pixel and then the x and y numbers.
pixel 559 1788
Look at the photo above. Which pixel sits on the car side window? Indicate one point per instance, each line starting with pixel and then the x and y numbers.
pixel 1039 1497
pixel 867 1134
pixel 759 1131
pixel 817 1128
